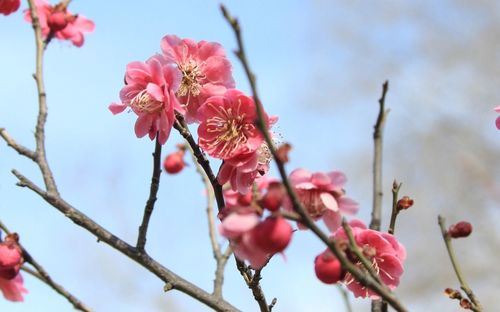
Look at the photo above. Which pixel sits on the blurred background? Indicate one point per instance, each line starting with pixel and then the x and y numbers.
pixel 320 66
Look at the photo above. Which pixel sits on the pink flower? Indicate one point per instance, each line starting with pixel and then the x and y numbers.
pixel 228 125
pixel 174 162
pixel 11 260
pixel 59 22
pixel 205 71
pixel 243 169
pixel 384 252
pixel 497 122
pixel 322 196
pixel 149 93
pixel 253 240
pixel 328 268
pixel 9 6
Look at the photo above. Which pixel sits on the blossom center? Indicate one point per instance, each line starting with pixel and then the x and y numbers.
pixel 191 77
pixel 145 103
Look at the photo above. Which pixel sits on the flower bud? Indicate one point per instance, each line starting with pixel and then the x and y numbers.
pixel 274 196
pixel 11 257
pixel 273 234
pixel 452 293
pixel 282 152
pixel 245 199
pixel 465 303
pixel 174 162
pixel 461 229
pixel 328 268
pixel 57 21
pixel 404 203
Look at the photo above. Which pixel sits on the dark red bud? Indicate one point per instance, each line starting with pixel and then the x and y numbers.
pixel 273 234
pixel 465 303
pixel 245 199
pixel 174 163
pixel 57 21
pixel 452 293
pixel 328 269
pixel 404 203
pixel 274 197
pixel 283 151
pixel 461 229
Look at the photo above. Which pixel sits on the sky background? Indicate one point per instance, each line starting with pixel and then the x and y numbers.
pixel 320 66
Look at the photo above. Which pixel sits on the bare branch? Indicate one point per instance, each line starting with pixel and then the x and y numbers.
pixel 476 305
pixel 150 204
pixel 170 278
pixel 377 161
pixel 395 211
pixel 43 276
pixel 364 279
pixel 16 146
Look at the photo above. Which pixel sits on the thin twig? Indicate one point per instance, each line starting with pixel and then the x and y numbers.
pixel 41 158
pixel 22 150
pixel 476 305
pixel 361 277
pixel 153 191
pixel 377 161
pixel 220 258
pixel 395 211
pixel 170 278
pixel 45 277
pixel 345 297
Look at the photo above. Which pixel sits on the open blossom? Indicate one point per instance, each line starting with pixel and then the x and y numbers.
pixel 227 125
pixel 59 22
pixel 11 260
pixel 322 195
pixel 254 240
pixel 148 92
pixel 205 71
pixel 243 169
pixel 384 252
pixel 9 6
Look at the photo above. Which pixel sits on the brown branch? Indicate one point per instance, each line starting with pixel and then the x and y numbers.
pixel 361 277
pixel 220 258
pixel 377 161
pixel 172 280
pixel 41 158
pixel 476 305
pixel 43 276
pixel 153 191
pixel 22 150
pixel 395 211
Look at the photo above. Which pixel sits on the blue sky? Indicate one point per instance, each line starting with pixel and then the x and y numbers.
pixel 324 93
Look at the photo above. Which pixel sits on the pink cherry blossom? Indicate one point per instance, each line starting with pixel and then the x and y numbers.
pixel 149 93
pixel 322 195
pixel 9 6
pixel 384 252
pixel 205 71
pixel 227 125
pixel 11 260
pixel 234 198
pixel 59 22
pixel 243 169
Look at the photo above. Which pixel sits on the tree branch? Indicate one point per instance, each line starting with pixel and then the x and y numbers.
pixel 24 151
pixel 153 191
pixel 395 211
pixel 476 305
pixel 172 280
pixel 41 158
pixel 43 276
pixel 364 279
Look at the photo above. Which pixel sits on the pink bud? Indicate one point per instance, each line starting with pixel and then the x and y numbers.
pixel 274 196
pixel 273 234
pixel 245 199
pixel 461 229
pixel 328 269
pixel 174 163
pixel 57 21
pixel 11 257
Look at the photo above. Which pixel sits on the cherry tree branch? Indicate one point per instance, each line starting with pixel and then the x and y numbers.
pixel 181 126
pixel 41 158
pixel 360 276
pixel 476 305
pixel 43 276
pixel 153 191
pixel 395 211
pixel 22 150
pixel 377 161
pixel 172 280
